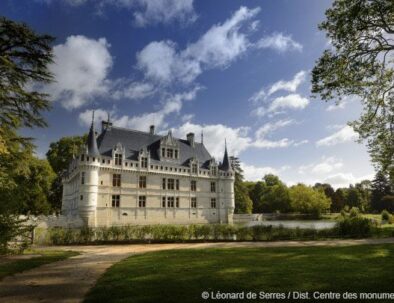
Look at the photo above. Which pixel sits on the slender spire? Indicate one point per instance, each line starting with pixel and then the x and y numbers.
pixel 202 137
pixel 226 161
pixel 92 142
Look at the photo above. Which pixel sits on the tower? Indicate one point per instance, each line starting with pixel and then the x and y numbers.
pixel 226 182
pixel 90 174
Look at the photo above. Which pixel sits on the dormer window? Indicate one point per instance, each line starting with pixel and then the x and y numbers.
pixel 118 159
pixel 194 168
pixel 144 162
pixel 170 153
pixel 176 154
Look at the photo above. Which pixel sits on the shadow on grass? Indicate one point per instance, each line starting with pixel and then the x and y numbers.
pixel 182 275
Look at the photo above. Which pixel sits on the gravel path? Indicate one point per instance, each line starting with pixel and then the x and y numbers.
pixel 69 280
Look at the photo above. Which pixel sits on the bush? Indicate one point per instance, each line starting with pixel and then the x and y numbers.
pixel 386 216
pixel 354 212
pixel 355 227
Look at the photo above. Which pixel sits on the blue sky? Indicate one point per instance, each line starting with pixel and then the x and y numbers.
pixel 238 70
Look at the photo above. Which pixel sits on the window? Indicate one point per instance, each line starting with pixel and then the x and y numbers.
pixel 164 183
pixel 177 202
pixel 176 154
pixel 213 170
pixel 142 182
pixel 170 153
pixel 118 159
pixel 103 161
pixel 177 184
pixel 171 184
pixel 194 202
pixel 144 162
pixel 194 168
pixel 116 180
pixel 81 197
pixel 115 200
pixel 213 203
pixel 87 158
pixel 163 202
pixel 83 177
pixel 170 201
pixel 82 157
pixel 193 185
pixel 163 152
pixel 213 187
pixel 142 201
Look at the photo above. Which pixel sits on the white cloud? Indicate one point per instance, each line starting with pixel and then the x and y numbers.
pixel 291 101
pixel 255 173
pixel 81 67
pixel 326 165
pixel 345 134
pixel 171 105
pixel 188 117
pixel 163 11
pixel 290 86
pixel 272 126
pixel 345 179
pixel 214 135
pixel 133 90
pixel 145 12
pixel 279 42
pixel 218 47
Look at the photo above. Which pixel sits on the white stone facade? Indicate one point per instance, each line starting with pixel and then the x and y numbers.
pixel 113 190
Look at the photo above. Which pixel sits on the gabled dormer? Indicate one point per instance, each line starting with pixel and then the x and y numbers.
pixel 118 154
pixel 144 158
pixel 213 167
pixel 194 166
pixel 169 147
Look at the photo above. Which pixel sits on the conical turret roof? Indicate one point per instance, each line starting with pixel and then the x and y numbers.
pixel 92 142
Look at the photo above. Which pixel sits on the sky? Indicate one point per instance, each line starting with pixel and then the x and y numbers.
pixel 234 70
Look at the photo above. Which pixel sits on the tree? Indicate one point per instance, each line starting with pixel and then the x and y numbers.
pixel 339 200
pixel 360 64
pixel 270 195
pixel 24 59
pixel 326 188
pixel 387 203
pixel 353 197
pixel 380 188
pixel 59 155
pixel 306 200
pixel 243 203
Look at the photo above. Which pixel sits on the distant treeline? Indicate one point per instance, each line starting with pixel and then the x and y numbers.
pixel 271 195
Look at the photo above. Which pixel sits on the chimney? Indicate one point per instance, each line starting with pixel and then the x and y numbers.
pixel 152 130
pixel 106 125
pixel 190 138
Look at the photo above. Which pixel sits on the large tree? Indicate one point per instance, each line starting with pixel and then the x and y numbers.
pixel 270 195
pixel 306 200
pixel 360 63
pixel 380 188
pixel 243 203
pixel 24 59
pixel 59 155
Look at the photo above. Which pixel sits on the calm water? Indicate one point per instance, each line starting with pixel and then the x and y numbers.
pixel 316 224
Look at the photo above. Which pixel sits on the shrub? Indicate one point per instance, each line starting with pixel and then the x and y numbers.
pixel 386 216
pixel 354 227
pixel 354 212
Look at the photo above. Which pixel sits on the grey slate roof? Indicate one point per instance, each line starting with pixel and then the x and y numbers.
pixel 226 166
pixel 134 141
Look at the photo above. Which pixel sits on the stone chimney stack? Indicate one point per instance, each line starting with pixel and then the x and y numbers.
pixel 152 130
pixel 190 138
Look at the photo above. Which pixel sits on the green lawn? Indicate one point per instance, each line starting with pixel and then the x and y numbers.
pixel 181 275
pixel 44 257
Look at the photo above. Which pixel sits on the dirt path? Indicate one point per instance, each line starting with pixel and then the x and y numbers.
pixel 69 280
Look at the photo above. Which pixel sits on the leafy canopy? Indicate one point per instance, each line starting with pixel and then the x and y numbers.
pixel 360 64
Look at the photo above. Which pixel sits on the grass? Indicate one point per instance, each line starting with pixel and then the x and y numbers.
pixel 43 257
pixel 182 275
